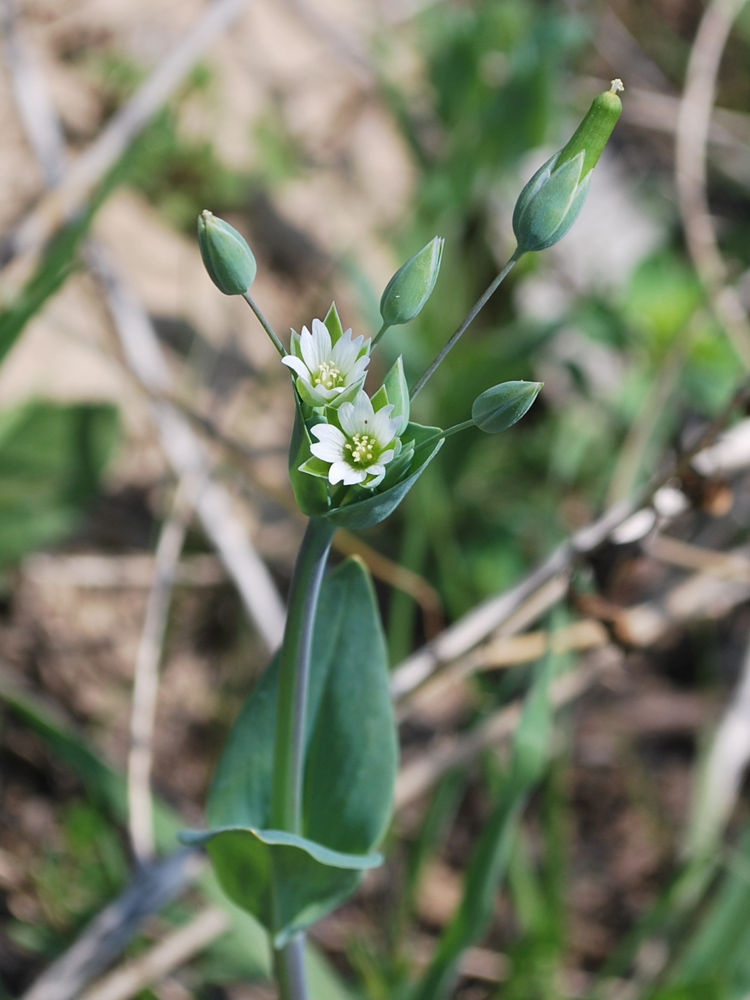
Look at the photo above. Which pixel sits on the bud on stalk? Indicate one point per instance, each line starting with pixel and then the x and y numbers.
pixel 549 204
pixel 411 286
pixel 226 256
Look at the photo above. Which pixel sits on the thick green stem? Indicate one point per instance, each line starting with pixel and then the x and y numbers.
pixel 294 669
pixel 478 306
pixel 289 748
pixel 289 968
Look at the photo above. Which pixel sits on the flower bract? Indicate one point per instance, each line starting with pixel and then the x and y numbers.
pixel 324 369
pixel 359 450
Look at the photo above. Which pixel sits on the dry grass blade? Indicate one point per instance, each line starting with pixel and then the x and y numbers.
pixel 459 638
pixel 721 777
pixel 146 678
pixel 690 169
pixel 73 186
pixel 107 935
pixel 451 752
pixel 188 457
pixel 174 950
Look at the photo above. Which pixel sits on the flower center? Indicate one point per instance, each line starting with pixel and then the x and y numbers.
pixel 364 449
pixel 330 376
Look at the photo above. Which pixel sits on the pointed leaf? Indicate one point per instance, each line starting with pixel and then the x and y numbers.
pixel 365 509
pixel 397 393
pixel 333 324
pixel 310 492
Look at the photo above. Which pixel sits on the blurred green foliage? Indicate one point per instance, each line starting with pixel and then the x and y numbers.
pixel 51 460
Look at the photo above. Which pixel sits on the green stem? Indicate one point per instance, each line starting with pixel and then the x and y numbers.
pixel 289 747
pixel 379 334
pixel 289 968
pixel 265 324
pixel 464 425
pixel 478 306
pixel 294 669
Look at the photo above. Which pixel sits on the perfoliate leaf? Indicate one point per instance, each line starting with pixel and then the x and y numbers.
pixel 284 880
pixel 365 508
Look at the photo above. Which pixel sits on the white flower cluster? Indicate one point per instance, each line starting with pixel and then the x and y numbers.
pixel 362 441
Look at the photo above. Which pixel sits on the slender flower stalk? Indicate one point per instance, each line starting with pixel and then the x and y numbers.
pixel 265 324
pixel 478 306
pixel 378 336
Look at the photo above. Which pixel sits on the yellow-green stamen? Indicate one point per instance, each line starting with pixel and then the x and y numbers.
pixel 330 376
pixel 364 448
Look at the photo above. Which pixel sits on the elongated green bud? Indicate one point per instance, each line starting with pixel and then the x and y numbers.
pixel 226 256
pixel 592 134
pixel 503 405
pixel 411 286
pixel 549 204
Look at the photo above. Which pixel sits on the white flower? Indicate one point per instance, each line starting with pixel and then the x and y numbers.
pixel 360 451
pixel 324 369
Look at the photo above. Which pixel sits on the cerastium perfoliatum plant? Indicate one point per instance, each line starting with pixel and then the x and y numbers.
pixel 303 792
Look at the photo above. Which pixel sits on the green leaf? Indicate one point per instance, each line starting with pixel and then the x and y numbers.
pixel 51 459
pixel 490 861
pixel 310 492
pixel 316 467
pixel 242 952
pixel 289 881
pixel 503 405
pixel 396 391
pixel 366 508
pixel 333 324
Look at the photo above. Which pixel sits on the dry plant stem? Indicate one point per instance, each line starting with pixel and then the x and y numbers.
pixel 170 953
pixel 187 456
pixel 478 306
pixel 146 679
pixel 39 118
pixel 464 634
pixel 690 167
pixel 265 324
pixel 113 929
pixel 77 182
pixel 134 326
pixel 289 746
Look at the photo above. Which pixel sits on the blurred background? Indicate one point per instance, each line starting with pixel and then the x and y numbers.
pixel 144 419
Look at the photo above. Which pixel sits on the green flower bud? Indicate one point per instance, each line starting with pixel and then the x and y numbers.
pixel 503 405
pixel 226 256
pixel 549 204
pixel 411 286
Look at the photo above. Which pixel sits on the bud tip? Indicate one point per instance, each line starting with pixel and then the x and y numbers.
pixel 616 86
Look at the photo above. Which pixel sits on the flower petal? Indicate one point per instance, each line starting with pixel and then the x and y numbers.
pixel 342 472
pixel 330 445
pixel 382 427
pixel 297 365
pixel 346 419
pixel 358 416
pixel 378 471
